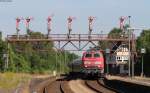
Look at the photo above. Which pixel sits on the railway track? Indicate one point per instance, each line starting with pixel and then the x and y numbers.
pixel 57 86
pixel 37 85
pixel 61 86
pixel 50 88
pixel 69 84
pixel 99 87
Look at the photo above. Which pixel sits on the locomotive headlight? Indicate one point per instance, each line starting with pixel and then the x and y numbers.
pixel 97 63
pixel 87 62
pixel 85 65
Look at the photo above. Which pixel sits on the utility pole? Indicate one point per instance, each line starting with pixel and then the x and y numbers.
pixel 142 73
pixel 129 74
pixel 143 51
pixel 129 36
pixel 131 54
pixel 107 59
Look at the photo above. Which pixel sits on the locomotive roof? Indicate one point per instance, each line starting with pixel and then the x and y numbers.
pixel 93 51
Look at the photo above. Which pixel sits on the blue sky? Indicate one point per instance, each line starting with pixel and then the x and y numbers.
pixel 106 11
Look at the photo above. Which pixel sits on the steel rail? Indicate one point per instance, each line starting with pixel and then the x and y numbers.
pixel 97 90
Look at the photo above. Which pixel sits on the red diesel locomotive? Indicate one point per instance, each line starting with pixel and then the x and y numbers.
pixel 93 63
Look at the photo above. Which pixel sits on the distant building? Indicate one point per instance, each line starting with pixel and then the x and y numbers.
pixel 122 58
pixel 122 54
pixel 119 59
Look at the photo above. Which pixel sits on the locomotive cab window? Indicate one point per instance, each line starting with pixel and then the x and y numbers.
pixel 88 55
pixel 96 55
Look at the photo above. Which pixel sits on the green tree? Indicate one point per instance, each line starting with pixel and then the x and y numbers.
pixel 3 48
pixel 114 33
pixel 30 57
pixel 143 41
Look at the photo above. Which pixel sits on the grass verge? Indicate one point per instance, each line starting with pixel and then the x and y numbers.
pixel 10 81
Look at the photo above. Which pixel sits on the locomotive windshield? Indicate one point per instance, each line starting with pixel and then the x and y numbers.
pixel 96 55
pixel 93 54
pixel 88 55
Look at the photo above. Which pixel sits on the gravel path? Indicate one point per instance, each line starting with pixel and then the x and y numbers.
pixel 37 84
pixel 77 86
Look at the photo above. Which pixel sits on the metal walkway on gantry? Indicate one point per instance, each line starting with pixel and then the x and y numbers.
pixel 75 40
